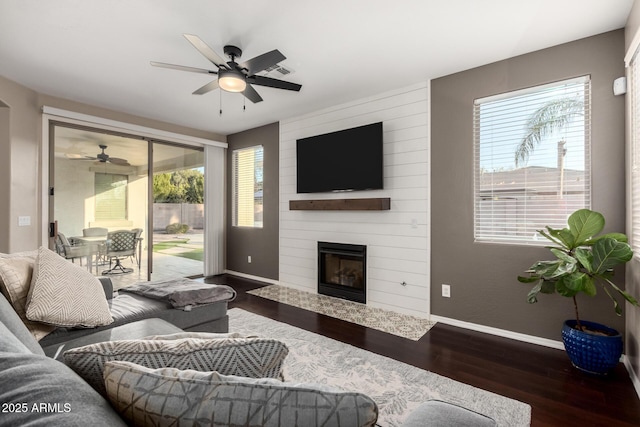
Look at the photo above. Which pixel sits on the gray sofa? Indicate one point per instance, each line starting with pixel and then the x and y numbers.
pixel 37 390
pixel 40 391
pixel 126 308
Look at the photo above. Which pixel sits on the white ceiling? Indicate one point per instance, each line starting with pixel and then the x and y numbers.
pixel 98 52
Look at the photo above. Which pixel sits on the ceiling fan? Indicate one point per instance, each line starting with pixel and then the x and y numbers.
pixel 101 157
pixel 234 77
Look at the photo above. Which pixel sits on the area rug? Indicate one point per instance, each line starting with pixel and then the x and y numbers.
pixel 403 325
pixel 396 387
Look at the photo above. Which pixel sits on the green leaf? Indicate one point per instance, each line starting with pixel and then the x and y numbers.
pixel 563 237
pixel 578 282
pixel 608 253
pixel 585 258
pixel 549 235
pixel 589 286
pixel 584 224
pixel 551 269
pixel 626 296
pixel 548 287
pixel 563 256
pixel 563 289
pixel 533 293
pixel 616 306
pixel 620 237
pixel 530 279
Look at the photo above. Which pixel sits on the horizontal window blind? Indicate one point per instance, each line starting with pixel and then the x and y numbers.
pixel 531 160
pixel 111 196
pixel 247 164
pixel 634 92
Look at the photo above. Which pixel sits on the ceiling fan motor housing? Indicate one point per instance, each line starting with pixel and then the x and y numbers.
pixel 232 52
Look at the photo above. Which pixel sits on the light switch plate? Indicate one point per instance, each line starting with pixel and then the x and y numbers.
pixel 24 221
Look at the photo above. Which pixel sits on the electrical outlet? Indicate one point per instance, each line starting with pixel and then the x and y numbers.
pixel 446 291
pixel 24 221
pixel 249 259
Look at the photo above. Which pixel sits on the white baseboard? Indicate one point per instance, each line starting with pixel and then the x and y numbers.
pixel 252 277
pixel 632 374
pixel 500 332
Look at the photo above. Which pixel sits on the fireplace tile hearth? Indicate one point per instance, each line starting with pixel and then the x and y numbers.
pixel 402 325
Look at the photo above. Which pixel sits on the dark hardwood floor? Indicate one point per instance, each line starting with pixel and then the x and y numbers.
pixel 559 394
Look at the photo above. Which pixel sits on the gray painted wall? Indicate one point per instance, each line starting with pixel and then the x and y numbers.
pixel 484 289
pixel 260 243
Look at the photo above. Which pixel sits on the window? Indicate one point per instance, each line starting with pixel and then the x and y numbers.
pixel 111 196
pixel 634 92
pixel 247 164
pixel 531 160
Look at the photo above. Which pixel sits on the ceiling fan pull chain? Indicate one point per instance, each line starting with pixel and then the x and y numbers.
pixel 220 93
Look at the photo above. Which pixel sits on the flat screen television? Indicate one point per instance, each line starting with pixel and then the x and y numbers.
pixel 347 160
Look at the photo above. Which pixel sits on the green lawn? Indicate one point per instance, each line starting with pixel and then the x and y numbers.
pixel 195 254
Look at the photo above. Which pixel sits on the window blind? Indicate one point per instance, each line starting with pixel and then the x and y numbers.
pixel 531 160
pixel 247 164
pixel 111 196
pixel 634 92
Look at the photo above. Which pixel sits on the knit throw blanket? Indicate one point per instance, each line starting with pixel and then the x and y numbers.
pixel 183 292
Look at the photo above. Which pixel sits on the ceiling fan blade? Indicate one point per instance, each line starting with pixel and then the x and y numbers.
pixel 118 161
pixel 182 68
pixel 212 85
pixel 204 49
pixel 251 94
pixel 262 62
pixel 269 82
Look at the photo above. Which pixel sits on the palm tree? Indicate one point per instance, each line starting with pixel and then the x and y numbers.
pixel 552 116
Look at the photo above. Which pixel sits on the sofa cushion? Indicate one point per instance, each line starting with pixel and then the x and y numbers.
pixel 15 279
pixel 63 294
pixel 437 413
pixel 129 331
pixel 39 391
pixel 146 396
pixel 10 319
pixel 9 343
pixel 250 357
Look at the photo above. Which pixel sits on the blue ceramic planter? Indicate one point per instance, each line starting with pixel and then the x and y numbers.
pixel 596 354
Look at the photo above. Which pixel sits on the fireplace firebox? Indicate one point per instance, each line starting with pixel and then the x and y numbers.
pixel 342 271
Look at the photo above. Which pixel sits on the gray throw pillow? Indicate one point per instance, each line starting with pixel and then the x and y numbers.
pixel 250 357
pixel 170 396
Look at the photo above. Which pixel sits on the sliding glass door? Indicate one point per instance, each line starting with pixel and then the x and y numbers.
pixel 123 206
pixel 177 200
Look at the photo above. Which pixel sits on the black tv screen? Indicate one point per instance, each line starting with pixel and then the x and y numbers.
pixel 347 160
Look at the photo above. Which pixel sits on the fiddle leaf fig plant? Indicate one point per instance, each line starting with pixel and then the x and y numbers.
pixel 583 260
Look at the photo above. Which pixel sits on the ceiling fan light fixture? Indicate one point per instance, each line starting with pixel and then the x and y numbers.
pixel 231 81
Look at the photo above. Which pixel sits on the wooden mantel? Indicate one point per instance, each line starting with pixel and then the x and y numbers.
pixel 375 204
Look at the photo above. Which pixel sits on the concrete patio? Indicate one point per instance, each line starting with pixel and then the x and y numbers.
pixel 167 264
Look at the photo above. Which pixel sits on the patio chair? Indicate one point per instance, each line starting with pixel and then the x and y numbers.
pixel 72 252
pixel 121 244
pixel 136 250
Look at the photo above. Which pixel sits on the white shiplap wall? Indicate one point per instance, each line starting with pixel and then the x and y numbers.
pixel 397 240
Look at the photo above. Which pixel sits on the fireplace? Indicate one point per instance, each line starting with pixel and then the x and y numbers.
pixel 342 271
